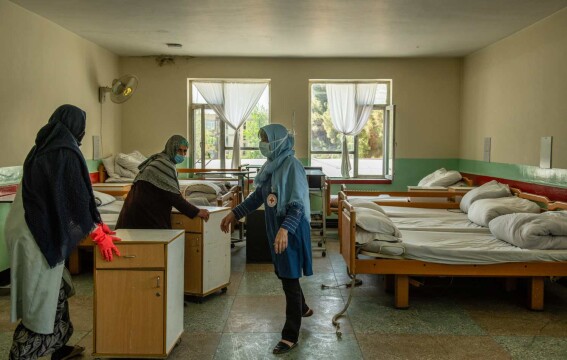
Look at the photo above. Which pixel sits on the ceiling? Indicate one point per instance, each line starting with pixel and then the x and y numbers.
pixel 294 28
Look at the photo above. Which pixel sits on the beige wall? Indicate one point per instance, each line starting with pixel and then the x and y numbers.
pixel 43 66
pixel 426 92
pixel 515 91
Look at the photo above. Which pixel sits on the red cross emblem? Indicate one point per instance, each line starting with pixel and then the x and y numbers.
pixel 272 200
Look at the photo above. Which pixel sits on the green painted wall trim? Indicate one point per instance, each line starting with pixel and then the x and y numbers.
pixel 525 173
pixel 92 165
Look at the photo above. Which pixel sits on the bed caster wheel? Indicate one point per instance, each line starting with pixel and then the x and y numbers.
pixel 319 244
pixel 324 253
pixel 224 290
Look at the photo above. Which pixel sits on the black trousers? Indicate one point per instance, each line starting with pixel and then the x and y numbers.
pixel 295 308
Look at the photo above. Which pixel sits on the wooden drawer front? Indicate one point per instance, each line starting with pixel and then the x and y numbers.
pixel 193 264
pixel 134 256
pixel 180 221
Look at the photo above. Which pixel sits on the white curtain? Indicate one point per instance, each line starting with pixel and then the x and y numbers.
pixel 350 106
pixel 233 103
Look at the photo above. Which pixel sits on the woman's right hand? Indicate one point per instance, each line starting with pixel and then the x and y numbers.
pixel 203 214
pixel 226 222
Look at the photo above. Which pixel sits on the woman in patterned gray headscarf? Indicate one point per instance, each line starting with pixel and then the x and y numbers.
pixel 156 190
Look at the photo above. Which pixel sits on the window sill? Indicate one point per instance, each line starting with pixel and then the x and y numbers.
pixel 359 181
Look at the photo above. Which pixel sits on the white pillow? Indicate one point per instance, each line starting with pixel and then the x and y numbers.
pixel 130 161
pixel 122 172
pixel 199 195
pixel 490 190
pixel 102 198
pixel 108 163
pixel 482 211
pixel 432 177
pixel 204 187
pixel 365 203
pixel 376 222
pixel 447 179
pixel 199 201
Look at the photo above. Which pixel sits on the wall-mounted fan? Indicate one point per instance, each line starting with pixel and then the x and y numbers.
pixel 121 89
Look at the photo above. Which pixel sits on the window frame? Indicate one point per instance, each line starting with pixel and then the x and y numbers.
pixel 222 144
pixel 388 139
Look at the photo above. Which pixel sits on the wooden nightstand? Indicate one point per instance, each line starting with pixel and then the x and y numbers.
pixel 138 297
pixel 207 252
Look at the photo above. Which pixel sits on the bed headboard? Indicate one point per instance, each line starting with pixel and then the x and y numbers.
pixel 554 193
pixel 102 175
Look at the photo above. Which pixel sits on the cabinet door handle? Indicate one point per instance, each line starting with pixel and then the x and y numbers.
pixel 158 279
pixel 129 256
pixel 178 223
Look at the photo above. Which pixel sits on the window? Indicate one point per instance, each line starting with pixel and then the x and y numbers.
pixel 370 152
pixel 213 139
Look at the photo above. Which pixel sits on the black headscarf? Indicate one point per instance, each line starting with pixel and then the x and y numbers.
pixel 59 205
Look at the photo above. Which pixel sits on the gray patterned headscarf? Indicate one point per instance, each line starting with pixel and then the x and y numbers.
pixel 159 169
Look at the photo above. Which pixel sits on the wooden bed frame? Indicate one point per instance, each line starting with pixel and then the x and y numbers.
pixel 334 210
pixel 401 270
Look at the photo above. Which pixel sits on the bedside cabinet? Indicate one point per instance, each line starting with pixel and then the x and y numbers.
pixel 207 252
pixel 138 297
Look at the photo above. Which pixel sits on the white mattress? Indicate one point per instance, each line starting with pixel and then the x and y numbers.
pixel 402 211
pixel 110 220
pixel 113 208
pixel 462 248
pixel 383 198
pixel 450 223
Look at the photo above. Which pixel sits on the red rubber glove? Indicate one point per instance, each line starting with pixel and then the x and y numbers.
pixel 107 230
pixel 105 243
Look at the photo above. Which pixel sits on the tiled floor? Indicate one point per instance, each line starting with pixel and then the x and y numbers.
pixel 448 318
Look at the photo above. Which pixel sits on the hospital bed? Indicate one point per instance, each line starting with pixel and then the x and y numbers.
pixel 445 253
pixel 388 196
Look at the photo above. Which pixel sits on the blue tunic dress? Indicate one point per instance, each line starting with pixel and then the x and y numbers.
pixel 296 259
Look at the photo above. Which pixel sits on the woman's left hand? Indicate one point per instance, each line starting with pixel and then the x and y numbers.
pixel 280 243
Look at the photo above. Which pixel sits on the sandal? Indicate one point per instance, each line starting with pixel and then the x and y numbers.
pixel 282 348
pixel 308 313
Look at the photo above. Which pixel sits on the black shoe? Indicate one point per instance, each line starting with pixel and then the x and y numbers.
pixel 308 313
pixel 282 348
pixel 67 352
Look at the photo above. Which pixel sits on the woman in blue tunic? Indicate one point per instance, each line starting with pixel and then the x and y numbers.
pixel 281 186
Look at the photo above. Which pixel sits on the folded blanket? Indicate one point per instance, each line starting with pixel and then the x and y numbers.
pixel 484 210
pixel 546 231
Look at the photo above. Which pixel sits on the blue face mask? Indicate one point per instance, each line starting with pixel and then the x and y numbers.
pixel 265 149
pixel 178 158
